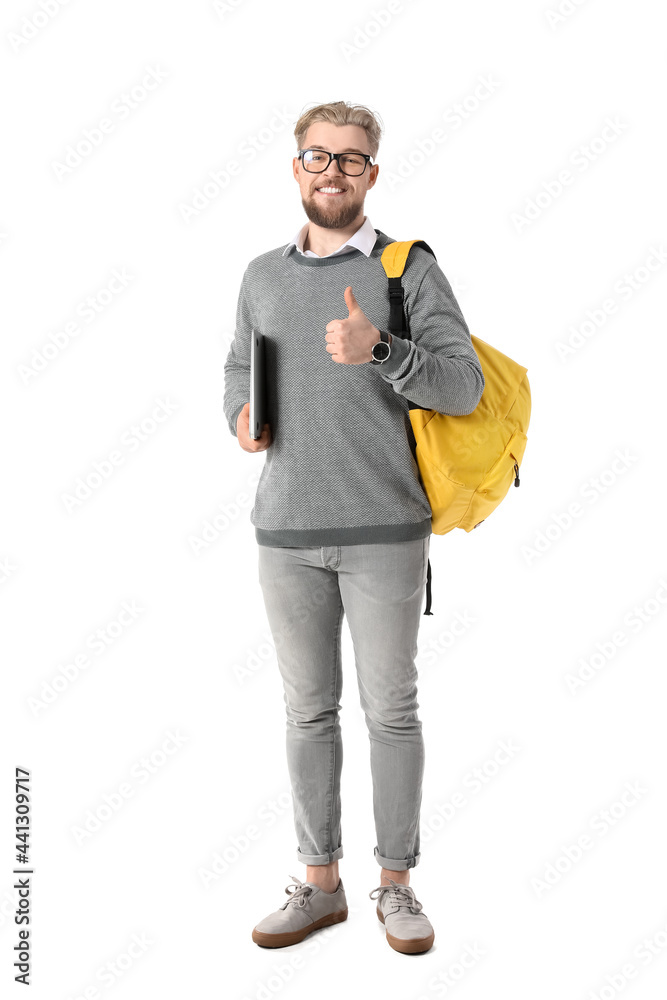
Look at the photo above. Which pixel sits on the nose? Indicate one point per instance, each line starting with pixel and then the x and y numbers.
pixel 334 170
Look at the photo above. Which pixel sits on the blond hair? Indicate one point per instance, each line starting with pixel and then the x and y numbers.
pixel 341 113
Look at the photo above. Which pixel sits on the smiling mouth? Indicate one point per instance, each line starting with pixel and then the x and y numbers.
pixel 330 191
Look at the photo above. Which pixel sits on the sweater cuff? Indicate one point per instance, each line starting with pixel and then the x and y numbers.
pixel 234 418
pixel 400 349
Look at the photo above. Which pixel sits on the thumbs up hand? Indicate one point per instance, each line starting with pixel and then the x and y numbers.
pixel 349 341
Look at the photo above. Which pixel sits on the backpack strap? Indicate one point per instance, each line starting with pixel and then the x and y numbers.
pixel 394 258
pixel 428 589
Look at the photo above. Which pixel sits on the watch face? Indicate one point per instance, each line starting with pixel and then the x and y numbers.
pixel 380 351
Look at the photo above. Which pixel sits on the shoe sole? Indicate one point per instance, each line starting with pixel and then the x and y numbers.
pixel 409 946
pixel 293 937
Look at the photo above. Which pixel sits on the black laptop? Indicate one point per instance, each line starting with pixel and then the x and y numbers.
pixel 257 385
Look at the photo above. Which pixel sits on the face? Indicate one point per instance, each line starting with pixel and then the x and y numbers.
pixel 334 210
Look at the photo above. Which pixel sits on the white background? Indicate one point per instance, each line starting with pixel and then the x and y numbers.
pixel 196 657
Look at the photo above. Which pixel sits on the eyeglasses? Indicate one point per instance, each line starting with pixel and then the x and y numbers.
pixel 317 160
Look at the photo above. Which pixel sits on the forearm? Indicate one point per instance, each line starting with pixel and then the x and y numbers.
pixel 237 364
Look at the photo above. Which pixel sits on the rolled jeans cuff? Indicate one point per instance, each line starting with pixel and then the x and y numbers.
pixel 397 864
pixel 319 859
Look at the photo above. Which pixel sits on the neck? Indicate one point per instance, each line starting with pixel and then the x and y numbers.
pixel 324 241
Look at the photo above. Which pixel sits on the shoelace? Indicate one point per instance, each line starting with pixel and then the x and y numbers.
pixel 402 895
pixel 299 895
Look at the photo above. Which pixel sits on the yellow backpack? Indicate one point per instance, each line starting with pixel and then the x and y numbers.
pixel 467 463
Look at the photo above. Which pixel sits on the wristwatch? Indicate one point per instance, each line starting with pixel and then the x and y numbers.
pixel 382 350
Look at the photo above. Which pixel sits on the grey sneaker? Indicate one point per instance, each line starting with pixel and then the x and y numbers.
pixel 408 929
pixel 307 909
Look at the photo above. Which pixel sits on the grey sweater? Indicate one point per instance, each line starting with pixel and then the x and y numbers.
pixel 341 468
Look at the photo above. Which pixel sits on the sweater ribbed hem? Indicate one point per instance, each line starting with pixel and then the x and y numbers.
pixel 362 535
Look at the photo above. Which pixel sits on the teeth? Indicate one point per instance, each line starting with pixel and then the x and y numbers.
pixel 330 190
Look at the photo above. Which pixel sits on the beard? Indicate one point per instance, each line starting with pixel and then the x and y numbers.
pixel 333 216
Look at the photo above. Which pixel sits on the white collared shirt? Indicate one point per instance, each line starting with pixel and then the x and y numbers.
pixel 364 240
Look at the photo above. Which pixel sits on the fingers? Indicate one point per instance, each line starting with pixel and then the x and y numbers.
pixel 257 444
pixel 350 300
pixel 243 433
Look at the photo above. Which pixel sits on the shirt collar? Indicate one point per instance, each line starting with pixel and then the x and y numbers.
pixel 364 239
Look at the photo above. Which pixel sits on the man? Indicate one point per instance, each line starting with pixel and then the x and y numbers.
pixel 341 518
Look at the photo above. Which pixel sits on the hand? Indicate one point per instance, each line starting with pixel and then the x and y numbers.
pixel 243 432
pixel 349 341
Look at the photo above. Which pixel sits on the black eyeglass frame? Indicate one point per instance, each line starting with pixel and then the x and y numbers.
pixel 334 156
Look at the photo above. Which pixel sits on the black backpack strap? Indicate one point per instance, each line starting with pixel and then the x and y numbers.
pixel 428 589
pixel 399 327
pixel 398 323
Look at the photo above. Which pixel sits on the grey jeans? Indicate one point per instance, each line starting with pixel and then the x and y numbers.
pixel 379 587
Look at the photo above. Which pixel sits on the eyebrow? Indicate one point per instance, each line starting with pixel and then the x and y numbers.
pixel 348 150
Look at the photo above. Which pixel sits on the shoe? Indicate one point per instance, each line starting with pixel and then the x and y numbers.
pixel 307 909
pixel 408 929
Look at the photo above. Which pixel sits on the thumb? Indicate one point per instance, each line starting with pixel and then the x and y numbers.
pixel 350 301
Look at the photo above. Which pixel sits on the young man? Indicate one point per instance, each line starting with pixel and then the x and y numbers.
pixel 341 518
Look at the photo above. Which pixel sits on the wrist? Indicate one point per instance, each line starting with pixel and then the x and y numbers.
pixel 383 340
